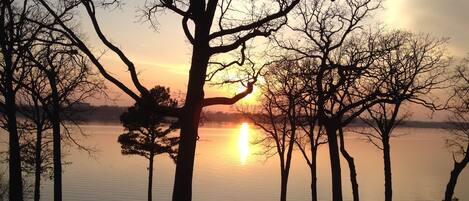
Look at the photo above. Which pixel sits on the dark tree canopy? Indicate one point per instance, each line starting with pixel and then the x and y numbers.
pixel 147 130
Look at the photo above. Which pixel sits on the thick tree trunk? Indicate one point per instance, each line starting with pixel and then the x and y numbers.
pixel 38 164
pixel 185 162
pixel 351 165
pixel 56 138
pixel 331 131
pixel 150 176
pixel 190 118
pixel 283 186
pixel 387 170
pixel 314 180
pixel 458 167
pixel 7 42
pixel 16 180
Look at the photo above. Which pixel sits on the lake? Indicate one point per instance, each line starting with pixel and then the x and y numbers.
pixel 228 167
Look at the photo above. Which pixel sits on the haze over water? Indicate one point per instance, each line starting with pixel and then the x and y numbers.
pixel 228 167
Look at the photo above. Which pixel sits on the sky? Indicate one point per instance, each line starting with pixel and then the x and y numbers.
pixel 162 56
pixel 440 18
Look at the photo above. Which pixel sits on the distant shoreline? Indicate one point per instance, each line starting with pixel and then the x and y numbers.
pixel 110 115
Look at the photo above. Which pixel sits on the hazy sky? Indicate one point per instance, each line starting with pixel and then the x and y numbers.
pixel 162 56
pixel 443 18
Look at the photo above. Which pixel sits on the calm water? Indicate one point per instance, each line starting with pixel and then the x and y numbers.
pixel 228 168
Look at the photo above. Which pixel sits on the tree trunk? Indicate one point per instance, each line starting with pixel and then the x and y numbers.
pixel 283 186
pixel 351 165
pixel 16 180
pixel 190 117
pixel 458 167
pixel 7 42
pixel 150 176
pixel 55 119
pixel 185 162
pixel 38 163
pixel 314 179
pixel 286 169
pixel 387 170
pixel 335 162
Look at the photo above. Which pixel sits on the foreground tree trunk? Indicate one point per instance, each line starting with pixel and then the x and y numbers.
pixel 190 117
pixel 387 170
pixel 351 165
pixel 185 162
pixel 38 163
pixel 331 131
pixel 55 119
pixel 283 186
pixel 150 176
pixel 16 180
pixel 7 45
pixel 457 169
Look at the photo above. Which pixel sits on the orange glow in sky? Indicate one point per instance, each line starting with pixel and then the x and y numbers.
pixel 163 57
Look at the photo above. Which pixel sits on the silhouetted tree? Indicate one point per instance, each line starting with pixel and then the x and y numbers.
pixel 35 109
pixel 411 73
pixel 310 139
pixel 382 119
pixel 459 140
pixel 347 156
pixel 278 115
pixel 59 78
pixel 351 165
pixel 312 135
pixel 35 152
pixel 22 26
pixel 148 132
pixel 37 157
pixel 15 37
pixel 212 27
pixel 329 33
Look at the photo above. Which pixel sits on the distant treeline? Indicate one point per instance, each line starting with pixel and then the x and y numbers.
pixel 85 112
pixel 111 114
pixel 103 113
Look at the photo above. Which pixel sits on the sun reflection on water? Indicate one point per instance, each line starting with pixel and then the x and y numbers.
pixel 243 143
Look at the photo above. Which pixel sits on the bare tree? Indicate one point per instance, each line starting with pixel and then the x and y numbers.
pixel 278 115
pixel 310 139
pixel 383 118
pixel 212 27
pixel 458 142
pixel 411 74
pixel 331 34
pixel 22 23
pixel 31 107
pixel 35 107
pixel 15 37
pixel 60 78
pixel 312 135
